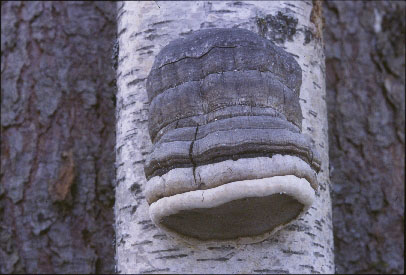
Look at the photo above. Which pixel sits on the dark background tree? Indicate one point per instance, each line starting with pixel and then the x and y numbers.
pixel 365 74
pixel 57 135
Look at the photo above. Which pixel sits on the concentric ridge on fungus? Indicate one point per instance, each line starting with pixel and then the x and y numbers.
pixel 226 100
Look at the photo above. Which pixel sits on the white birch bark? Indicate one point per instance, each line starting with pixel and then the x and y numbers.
pixel 144 28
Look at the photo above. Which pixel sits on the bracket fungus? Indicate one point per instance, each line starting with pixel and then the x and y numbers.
pixel 229 162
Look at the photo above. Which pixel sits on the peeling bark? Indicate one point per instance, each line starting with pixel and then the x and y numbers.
pixel 57 137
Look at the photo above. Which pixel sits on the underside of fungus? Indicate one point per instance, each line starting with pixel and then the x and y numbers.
pixel 229 161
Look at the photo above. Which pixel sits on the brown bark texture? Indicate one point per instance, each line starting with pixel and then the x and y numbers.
pixel 57 137
pixel 365 74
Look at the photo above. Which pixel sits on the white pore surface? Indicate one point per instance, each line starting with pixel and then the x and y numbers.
pixel 182 180
pixel 297 188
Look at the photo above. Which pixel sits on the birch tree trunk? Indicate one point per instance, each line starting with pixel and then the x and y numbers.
pixel 144 28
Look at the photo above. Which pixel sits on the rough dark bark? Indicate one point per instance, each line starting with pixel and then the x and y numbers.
pixel 57 137
pixel 365 60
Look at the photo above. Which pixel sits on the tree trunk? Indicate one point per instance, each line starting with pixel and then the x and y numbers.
pixel 143 29
pixel 365 67
pixel 57 137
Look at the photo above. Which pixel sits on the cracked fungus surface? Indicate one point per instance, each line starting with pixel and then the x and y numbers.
pixel 223 95
pixel 244 217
